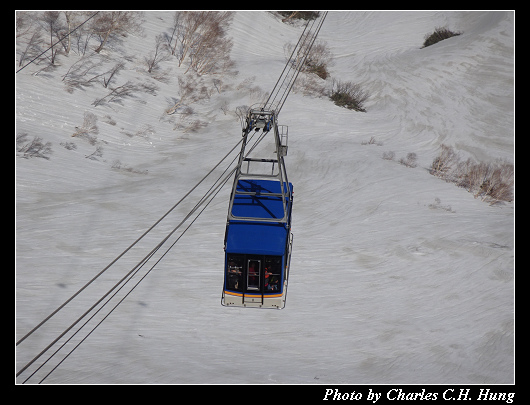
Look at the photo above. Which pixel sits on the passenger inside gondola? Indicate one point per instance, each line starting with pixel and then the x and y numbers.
pixel 234 276
pixel 271 281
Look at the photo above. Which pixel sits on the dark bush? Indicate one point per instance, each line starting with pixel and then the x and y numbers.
pixel 348 95
pixel 439 34
pixel 27 148
pixel 304 15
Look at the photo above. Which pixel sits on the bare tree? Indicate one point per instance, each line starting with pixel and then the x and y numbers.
pixel 69 16
pixel 84 73
pixel 211 51
pixel 27 36
pixel 51 22
pixel 113 23
pixel 22 23
pixel 112 72
pixel 158 55
pixel 187 24
pixel 175 31
pixel 30 47
pixel 444 164
pixel 118 93
pixel 191 90
pixel 83 34
pixel 200 38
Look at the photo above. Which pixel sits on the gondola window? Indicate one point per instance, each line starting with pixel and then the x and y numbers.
pixel 235 273
pixel 273 275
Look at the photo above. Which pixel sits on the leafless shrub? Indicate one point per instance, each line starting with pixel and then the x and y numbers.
pixel 389 155
pixel 82 36
pixel 438 206
pixel 112 72
pixel 22 23
pixel 372 141
pixel 117 165
pixel 410 160
pixel 191 90
pixel 318 60
pixel 444 163
pixel 144 132
pixel 241 113
pixel 126 90
pixel 246 83
pixel 69 145
pixel 439 34
pixel 88 71
pixel 89 129
pixel 257 95
pixel 191 126
pixel 310 85
pixel 32 148
pixel 492 182
pixel 28 37
pixel 162 76
pixel 500 186
pixel 109 120
pixel 50 20
pixel 348 95
pixel 159 54
pixel 218 84
pixel 225 107
pixel 96 154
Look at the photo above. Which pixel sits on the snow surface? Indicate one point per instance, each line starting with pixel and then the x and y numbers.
pixel 396 276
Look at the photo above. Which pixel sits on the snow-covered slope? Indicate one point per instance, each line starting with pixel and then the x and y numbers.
pixel 396 276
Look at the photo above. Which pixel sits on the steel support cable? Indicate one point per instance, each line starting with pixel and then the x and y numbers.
pixel 285 67
pixel 299 64
pixel 134 270
pixel 213 190
pixel 126 250
pixel 143 277
pixel 81 327
pixel 140 264
pixel 282 100
pixel 291 64
pixel 137 268
pixel 296 65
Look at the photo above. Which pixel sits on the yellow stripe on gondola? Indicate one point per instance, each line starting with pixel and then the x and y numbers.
pixel 253 295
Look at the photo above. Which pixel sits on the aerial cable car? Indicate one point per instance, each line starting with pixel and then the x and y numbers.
pixel 258 238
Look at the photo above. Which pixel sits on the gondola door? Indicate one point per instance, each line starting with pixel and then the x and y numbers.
pixel 254 292
pixel 253 275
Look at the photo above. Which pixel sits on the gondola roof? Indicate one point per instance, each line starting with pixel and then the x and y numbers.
pixel 266 238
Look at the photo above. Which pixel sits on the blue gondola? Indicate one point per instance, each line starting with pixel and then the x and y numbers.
pixel 258 238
